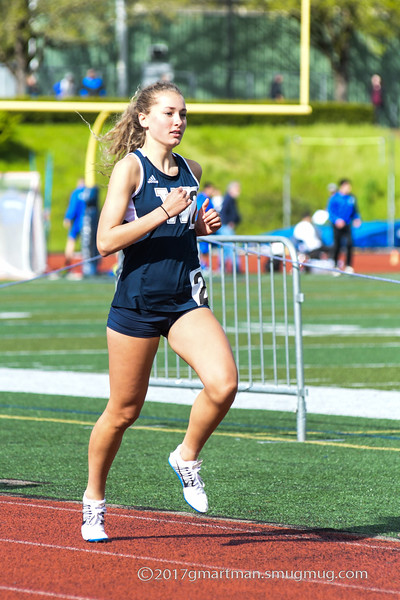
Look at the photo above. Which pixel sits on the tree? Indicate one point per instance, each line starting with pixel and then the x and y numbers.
pixel 335 24
pixel 15 32
pixel 27 25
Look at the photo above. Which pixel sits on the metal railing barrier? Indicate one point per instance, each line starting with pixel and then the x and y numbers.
pixel 253 286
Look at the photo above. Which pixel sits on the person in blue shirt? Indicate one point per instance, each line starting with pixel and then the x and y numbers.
pixel 343 213
pixel 206 193
pixel 65 88
pixel 73 219
pixel 92 85
pixel 150 213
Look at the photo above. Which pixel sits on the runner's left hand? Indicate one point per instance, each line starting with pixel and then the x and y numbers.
pixel 208 221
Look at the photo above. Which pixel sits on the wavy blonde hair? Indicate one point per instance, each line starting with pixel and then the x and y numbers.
pixel 128 135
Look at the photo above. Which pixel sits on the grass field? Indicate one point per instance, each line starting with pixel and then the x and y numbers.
pixel 256 155
pixel 344 477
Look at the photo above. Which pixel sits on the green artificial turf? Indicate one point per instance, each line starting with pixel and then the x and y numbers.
pixel 342 478
pixel 350 325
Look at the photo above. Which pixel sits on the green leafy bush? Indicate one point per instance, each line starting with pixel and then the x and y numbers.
pixel 8 123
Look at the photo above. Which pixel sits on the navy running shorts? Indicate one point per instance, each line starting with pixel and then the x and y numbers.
pixel 143 323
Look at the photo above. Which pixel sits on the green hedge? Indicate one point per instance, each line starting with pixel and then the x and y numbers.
pixel 336 112
pixel 322 112
pixel 8 123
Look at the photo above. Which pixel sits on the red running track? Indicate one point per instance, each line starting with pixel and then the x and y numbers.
pixel 184 556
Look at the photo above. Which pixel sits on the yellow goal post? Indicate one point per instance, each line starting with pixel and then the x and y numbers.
pixel 105 109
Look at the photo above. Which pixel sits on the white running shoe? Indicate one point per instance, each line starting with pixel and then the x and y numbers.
pixel 193 486
pixel 93 520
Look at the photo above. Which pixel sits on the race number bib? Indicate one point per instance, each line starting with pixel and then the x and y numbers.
pixel 199 289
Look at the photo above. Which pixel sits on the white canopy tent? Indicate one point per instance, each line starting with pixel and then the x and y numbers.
pixel 22 232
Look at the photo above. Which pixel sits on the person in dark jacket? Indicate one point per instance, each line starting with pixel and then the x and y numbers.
pixel 343 213
pixel 230 218
pixel 276 91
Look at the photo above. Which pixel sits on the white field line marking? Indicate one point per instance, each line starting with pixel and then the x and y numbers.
pixel 317 329
pixel 15 315
pixel 377 384
pixel 51 352
pixel 351 366
pixel 52 336
pixel 331 365
pixel 344 346
pixel 307 346
pixel 41 593
pixel 387 386
pixel 56 323
pixel 312 330
pixel 210 524
pixel 191 565
pixel 266 347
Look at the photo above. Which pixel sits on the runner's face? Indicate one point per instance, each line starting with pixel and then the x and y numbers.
pixel 166 121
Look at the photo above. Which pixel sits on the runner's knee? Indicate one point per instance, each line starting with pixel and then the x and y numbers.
pixel 222 388
pixel 123 418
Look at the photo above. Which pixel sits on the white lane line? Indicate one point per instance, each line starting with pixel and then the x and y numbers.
pixel 248 527
pixel 42 593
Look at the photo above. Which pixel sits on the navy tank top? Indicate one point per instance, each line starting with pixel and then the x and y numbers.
pixel 161 272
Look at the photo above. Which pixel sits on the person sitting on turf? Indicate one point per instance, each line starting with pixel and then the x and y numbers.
pixel 308 240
